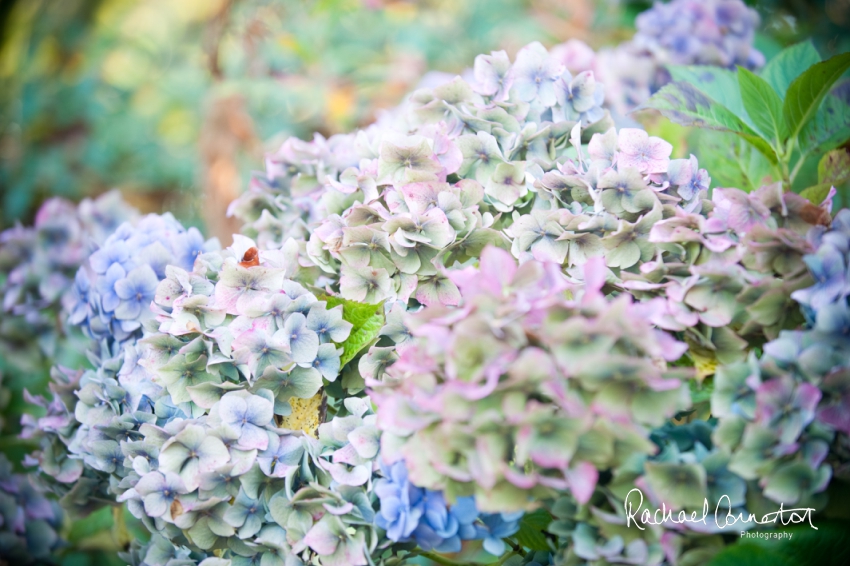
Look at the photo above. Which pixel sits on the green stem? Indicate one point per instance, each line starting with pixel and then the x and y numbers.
pixel 784 161
pixel 440 559
pixel 786 175
pixel 504 558
pixel 797 168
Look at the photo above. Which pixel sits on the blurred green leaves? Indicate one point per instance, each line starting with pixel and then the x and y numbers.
pixel 96 94
pixel 790 114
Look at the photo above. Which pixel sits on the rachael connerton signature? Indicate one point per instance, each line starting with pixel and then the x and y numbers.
pixel 723 514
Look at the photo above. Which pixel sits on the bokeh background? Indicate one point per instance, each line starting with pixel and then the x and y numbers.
pixel 175 102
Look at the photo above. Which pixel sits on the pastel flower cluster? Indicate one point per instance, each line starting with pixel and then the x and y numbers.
pixel 598 204
pixel 200 450
pixel 726 280
pixel 242 321
pixel 113 290
pixel 681 32
pixel 487 314
pixel 280 506
pixel 780 421
pixel 522 393
pixel 382 210
pixel 37 266
pixel 28 521
pixel 721 271
pixel 92 410
pixel 687 470
pixel 413 513
pixel 700 32
pixel 780 414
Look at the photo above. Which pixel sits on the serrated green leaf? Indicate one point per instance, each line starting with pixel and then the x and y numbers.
pixel 830 128
pixel 763 106
pixel 361 338
pixel 366 320
pixel 733 162
pixel 809 89
pixel 834 167
pixel 352 311
pixel 685 104
pixel 789 64
pixel 816 193
pixel 531 528
pixel 720 84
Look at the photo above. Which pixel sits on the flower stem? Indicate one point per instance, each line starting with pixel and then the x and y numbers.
pixel 440 559
pixel 796 169
pixel 504 558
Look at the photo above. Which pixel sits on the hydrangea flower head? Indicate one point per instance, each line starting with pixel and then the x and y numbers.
pixel 389 216
pixel 37 267
pixel 434 401
pixel 29 523
pixel 688 32
pixel 112 293
pixel 412 513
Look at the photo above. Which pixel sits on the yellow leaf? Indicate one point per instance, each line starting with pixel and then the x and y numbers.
pixel 305 414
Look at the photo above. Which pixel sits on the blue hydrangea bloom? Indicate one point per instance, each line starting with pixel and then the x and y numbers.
pixel 439 528
pixel 701 32
pixel 493 527
pixel 829 268
pixel 112 291
pixel 401 503
pixel 28 521
pixel 37 266
pixel 410 513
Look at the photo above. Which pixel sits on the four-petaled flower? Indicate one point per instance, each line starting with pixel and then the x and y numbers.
pixel 247 415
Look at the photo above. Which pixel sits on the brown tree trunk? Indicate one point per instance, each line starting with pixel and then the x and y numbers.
pixel 227 133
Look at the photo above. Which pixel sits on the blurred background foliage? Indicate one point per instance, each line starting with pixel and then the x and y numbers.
pixel 174 102
pixel 169 99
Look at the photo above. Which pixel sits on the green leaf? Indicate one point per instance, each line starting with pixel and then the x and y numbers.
pixel 825 546
pixel 789 64
pixel 809 89
pixel 366 320
pixel 720 84
pixel 701 392
pixel 99 521
pixel 834 167
pixel 361 338
pixel 833 171
pixel 763 105
pixel 732 161
pixel 816 193
pixel 749 554
pixel 830 127
pixel 352 311
pixel 531 527
pixel 685 104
